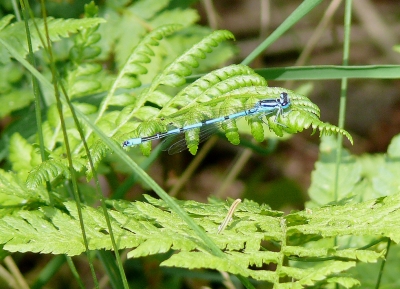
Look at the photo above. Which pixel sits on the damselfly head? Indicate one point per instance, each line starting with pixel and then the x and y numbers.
pixel 284 99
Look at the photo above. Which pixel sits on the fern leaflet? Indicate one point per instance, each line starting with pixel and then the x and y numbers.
pixel 152 228
pixel 57 28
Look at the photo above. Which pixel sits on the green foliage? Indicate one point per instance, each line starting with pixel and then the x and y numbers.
pixel 222 91
pixel 114 123
pixel 227 90
pixel 14 193
pixel 361 178
pixel 13 84
pixel 12 34
pixel 85 76
pixel 367 273
pixel 366 178
pixel 124 31
pixel 145 91
pixel 152 228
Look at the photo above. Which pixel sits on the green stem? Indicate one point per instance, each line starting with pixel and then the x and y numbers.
pixel 343 98
pixel 305 7
pixel 378 282
pixel 343 94
pixel 36 91
pixel 66 142
pixel 74 272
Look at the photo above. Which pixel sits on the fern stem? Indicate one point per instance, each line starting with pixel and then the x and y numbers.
pixel 378 282
pixel 36 91
pixel 343 98
pixel 343 93
pixel 212 15
pixel 315 37
pixel 305 7
pixel 74 272
pixel 66 141
pixel 98 191
pixel 16 10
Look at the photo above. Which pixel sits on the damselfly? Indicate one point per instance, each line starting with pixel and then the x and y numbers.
pixel 261 107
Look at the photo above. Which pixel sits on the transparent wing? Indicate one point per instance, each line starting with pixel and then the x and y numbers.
pixel 177 143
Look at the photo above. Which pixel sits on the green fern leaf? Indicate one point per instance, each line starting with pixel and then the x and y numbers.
pixel 83 77
pixel 153 94
pixel 385 181
pixel 12 75
pixel 394 147
pixel 346 282
pixel 51 230
pixel 97 151
pixel 215 84
pixel 23 156
pixel 184 17
pixel 14 193
pixel 46 171
pixel 5 21
pixel 175 73
pixel 153 228
pixel 125 31
pixel 128 75
pixel 149 9
pixel 227 94
pixel 141 54
pixel 57 28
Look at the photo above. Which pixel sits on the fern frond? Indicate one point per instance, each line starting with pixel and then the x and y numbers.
pixel 153 228
pixel 127 77
pixel 14 192
pixel 360 177
pixel 97 151
pixel 47 170
pixel 51 169
pixel 174 75
pixel 22 155
pixel 12 34
pixel 212 97
pixel 83 75
pixel 50 230
pixel 178 69
pixel 183 17
pixel 5 20
pixel 215 84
